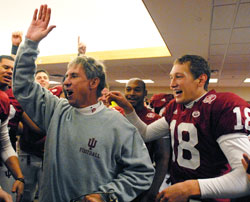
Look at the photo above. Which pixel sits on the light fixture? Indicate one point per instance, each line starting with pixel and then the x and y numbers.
pixel 214 80
pixel 247 80
pixel 126 81
pixel 54 82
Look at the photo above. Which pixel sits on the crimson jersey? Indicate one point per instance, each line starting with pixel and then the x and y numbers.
pixel 194 132
pixel 15 116
pixel 147 116
pixel 57 90
pixel 4 106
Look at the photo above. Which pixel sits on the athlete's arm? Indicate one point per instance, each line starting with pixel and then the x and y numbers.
pixel 150 132
pixel 235 183
pixel 6 148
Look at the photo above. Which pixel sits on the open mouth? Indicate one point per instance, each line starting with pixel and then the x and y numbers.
pixel 8 78
pixel 178 92
pixel 131 100
pixel 69 93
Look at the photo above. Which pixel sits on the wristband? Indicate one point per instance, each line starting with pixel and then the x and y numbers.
pixel 14 49
pixel 21 180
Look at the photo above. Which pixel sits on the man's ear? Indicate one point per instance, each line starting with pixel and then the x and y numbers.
pixel 94 83
pixel 202 80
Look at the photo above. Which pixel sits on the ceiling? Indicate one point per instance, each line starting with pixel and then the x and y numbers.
pixel 218 30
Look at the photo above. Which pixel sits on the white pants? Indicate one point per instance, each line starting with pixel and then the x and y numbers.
pixel 31 166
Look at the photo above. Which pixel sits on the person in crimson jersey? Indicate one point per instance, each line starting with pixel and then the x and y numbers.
pixel 6 68
pixel 135 93
pixel 207 129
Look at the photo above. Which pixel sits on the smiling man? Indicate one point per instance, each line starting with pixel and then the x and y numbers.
pixel 135 93
pixel 90 150
pixel 207 129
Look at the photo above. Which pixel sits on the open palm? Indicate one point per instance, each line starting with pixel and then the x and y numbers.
pixel 39 26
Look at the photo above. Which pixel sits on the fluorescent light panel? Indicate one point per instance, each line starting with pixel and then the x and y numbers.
pixel 214 80
pixel 117 28
pixel 126 81
pixel 247 80
pixel 54 82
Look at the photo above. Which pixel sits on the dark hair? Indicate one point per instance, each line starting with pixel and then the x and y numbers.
pixel 8 57
pixel 42 70
pixel 197 66
pixel 93 69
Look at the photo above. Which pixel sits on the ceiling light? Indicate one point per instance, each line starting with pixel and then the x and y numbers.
pixel 213 80
pixel 54 82
pixel 126 81
pixel 247 80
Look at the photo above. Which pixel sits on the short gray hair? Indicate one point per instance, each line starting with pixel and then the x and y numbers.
pixel 93 69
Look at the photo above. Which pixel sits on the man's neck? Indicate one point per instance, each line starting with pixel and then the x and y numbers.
pixel 139 107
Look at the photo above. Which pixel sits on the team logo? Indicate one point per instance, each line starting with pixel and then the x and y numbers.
pixel 196 114
pixel 93 110
pixel 209 99
pixel 92 143
pixel 150 115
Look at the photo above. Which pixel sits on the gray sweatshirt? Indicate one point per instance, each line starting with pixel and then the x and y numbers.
pixel 84 152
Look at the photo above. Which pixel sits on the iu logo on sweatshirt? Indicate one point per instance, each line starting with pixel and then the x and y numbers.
pixel 92 143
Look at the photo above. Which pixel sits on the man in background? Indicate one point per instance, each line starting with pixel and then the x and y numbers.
pixel 135 93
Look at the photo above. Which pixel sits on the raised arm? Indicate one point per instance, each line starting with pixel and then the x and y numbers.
pixel 81 47
pixel 16 39
pixel 26 90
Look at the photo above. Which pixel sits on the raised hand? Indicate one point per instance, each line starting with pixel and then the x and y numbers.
pixel 120 100
pixel 39 26
pixel 81 47
pixel 16 38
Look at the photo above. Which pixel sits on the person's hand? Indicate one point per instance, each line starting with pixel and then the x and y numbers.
pixel 39 26
pixel 179 192
pixel 246 164
pixel 81 47
pixel 16 38
pixel 93 198
pixel 17 188
pixel 4 196
pixel 120 100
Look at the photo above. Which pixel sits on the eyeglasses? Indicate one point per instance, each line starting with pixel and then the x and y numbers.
pixel 111 196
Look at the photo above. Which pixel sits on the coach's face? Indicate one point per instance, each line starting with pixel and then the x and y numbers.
pixel 80 91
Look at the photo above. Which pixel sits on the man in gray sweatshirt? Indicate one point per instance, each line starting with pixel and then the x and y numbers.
pixel 89 149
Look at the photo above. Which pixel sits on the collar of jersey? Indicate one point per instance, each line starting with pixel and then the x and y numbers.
pixel 191 104
pixel 93 109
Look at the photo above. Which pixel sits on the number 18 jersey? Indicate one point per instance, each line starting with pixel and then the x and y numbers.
pixel 194 131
